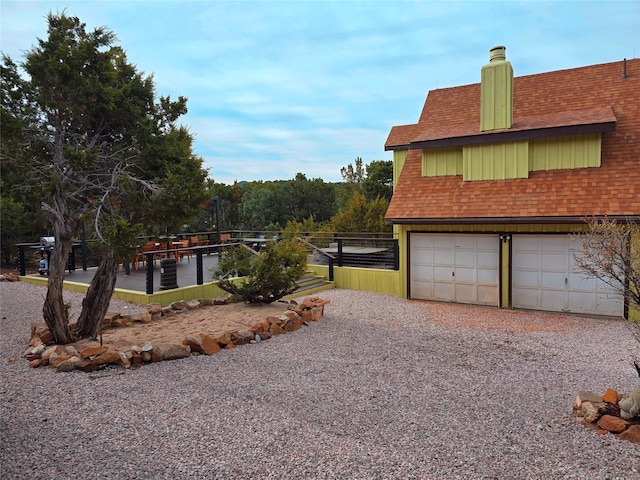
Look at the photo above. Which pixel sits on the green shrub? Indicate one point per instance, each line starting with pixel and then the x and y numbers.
pixel 266 277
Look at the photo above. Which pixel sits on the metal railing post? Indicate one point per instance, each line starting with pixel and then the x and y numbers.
pixel 199 275
pixel 149 272
pixel 22 261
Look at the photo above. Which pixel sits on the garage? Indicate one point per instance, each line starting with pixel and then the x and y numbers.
pixel 545 277
pixel 461 268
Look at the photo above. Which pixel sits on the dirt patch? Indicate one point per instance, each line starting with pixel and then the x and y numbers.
pixel 214 320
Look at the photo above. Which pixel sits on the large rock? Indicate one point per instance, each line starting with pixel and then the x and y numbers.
pixel 68 365
pixel 611 396
pixel 108 357
pixel 631 434
pixel 194 343
pixel 592 411
pixel 584 396
pixel 93 351
pixel 630 404
pixel 209 344
pixel 175 351
pixel 613 424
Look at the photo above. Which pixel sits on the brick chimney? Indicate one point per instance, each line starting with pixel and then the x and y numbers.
pixel 496 92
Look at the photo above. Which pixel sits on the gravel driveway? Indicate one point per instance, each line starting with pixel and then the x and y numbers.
pixel 379 388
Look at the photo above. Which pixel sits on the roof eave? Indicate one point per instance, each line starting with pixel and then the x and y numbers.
pixel 507 220
pixel 510 136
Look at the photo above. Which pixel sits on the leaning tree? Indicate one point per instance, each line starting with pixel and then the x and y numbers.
pixel 101 147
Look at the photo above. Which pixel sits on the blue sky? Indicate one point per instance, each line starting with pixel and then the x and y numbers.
pixel 281 87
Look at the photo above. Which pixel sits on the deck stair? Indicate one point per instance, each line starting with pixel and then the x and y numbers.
pixel 311 283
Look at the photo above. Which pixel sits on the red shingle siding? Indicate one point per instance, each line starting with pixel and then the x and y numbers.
pixel 612 189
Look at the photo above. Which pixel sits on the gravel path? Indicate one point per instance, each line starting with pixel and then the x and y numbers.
pixel 379 388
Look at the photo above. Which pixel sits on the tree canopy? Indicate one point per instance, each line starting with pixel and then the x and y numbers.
pixel 97 148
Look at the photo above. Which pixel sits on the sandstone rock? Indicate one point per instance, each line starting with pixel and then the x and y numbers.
pixel 122 321
pixel 221 300
pixel 630 404
pixel 41 330
pixel 613 424
pixel 67 365
pixel 35 363
pixel 110 356
pixel 147 347
pixel 206 301
pixel 47 353
pixel 124 360
pixel 54 361
pixel 592 411
pixel 257 328
pixel 35 341
pixel 140 317
pixel 86 366
pixel 248 336
pixel 266 335
pixel 146 356
pixel 156 316
pixel 176 351
pixel 193 304
pixel 230 346
pixel 154 308
pixel 224 339
pixel 110 317
pixel 276 329
pixel 584 396
pixel 167 311
pixel 71 350
pixel 157 354
pixel 209 344
pixel 195 344
pixel 631 434
pixel 178 306
pixel 92 351
pixel 137 359
pixel 611 396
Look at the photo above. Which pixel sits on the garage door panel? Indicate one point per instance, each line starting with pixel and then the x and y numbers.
pixel 458 262
pixel 553 280
pixel 443 292
pixel 442 274
pixel 553 262
pixel 545 277
pixel 465 275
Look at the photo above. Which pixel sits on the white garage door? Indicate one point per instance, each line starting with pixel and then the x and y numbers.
pixel 454 268
pixel 545 277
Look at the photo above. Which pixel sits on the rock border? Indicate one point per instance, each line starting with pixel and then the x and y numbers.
pixel 610 413
pixel 90 355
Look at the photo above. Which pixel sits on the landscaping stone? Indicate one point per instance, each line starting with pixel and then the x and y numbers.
pixel 209 344
pixel 630 404
pixel 176 351
pixel 631 434
pixel 613 424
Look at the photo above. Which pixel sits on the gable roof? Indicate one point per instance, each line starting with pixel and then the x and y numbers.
pixel 556 103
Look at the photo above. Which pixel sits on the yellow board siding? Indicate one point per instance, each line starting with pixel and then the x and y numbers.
pixel 399 156
pixel 496 161
pixel 496 96
pixel 368 279
pixel 438 162
pixel 573 151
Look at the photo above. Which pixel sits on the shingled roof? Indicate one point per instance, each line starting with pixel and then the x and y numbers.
pixel 593 98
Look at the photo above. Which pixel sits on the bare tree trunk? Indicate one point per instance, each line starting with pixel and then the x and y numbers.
pixel 54 310
pixel 96 302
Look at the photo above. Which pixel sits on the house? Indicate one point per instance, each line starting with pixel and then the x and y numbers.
pixel 494 178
